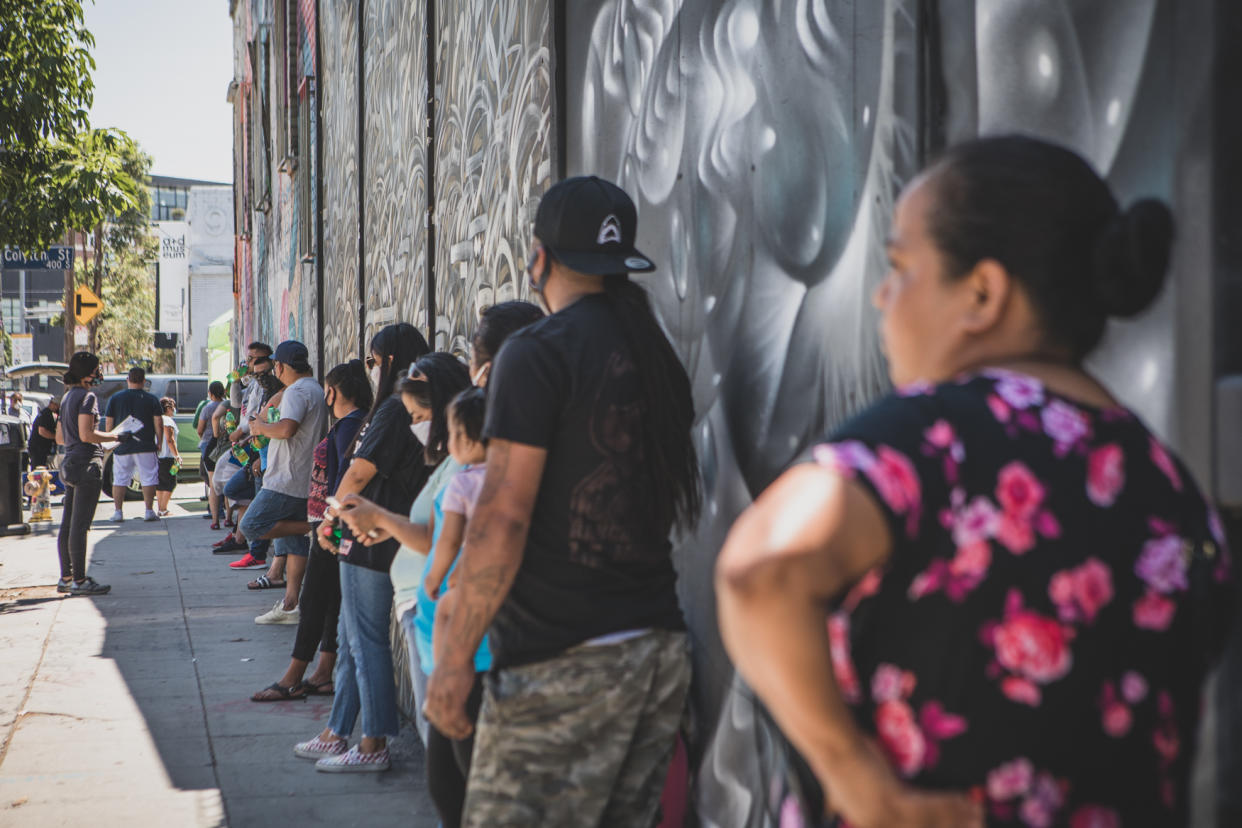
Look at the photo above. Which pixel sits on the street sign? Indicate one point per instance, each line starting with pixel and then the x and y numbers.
pixel 86 305
pixel 55 258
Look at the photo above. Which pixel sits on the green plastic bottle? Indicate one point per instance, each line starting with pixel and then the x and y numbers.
pixel 175 470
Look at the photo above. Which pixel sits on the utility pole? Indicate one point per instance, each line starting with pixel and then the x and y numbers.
pixel 69 317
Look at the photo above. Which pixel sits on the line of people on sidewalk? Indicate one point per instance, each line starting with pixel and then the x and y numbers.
pixel 994 595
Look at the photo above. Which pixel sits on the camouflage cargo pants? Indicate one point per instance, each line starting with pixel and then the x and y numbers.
pixel 581 739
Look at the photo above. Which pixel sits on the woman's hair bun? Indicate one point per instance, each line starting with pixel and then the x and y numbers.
pixel 1132 258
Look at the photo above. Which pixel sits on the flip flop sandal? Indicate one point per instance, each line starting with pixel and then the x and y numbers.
pixel 282 694
pixel 264 582
pixel 311 689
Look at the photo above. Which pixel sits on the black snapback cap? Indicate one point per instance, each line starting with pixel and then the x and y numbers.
pixel 589 224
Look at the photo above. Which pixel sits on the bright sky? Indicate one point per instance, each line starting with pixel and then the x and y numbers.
pixel 162 70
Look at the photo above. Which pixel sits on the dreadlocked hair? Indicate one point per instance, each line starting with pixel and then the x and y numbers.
pixel 676 488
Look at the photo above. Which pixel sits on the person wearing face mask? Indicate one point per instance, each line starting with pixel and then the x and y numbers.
pixel 300 425
pixel 432 383
pixel 81 471
pixel 347 393
pixel 384 465
pixel 495 325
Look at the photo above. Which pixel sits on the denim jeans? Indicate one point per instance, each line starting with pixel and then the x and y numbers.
pixel 364 680
pixel 417 677
pixel 269 508
pixel 239 488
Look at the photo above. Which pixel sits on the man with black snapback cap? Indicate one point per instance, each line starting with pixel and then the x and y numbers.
pixel 567 558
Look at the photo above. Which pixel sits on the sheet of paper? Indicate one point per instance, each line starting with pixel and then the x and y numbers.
pixel 130 425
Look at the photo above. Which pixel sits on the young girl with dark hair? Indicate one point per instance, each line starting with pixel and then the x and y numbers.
pixel 1027 587
pixel 383 464
pixel 81 471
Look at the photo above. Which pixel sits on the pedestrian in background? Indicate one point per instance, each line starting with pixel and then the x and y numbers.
pixel 136 456
pixel 1030 588
pixel 81 471
pixel 41 446
pixel 169 456
pixel 206 445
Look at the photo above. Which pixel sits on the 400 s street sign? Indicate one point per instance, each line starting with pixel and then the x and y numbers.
pixel 54 258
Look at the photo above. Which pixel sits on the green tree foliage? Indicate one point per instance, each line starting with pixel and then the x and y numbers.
pixel 124 247
pixel 124 332
pixel 56 174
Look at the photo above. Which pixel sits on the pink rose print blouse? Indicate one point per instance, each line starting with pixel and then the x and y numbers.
pixel 1057 590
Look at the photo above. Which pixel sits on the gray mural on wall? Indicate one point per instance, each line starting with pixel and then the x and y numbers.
pixel 767 216
pixel 493 154
pixel 764 143
pixel 395 207
pixel 338 44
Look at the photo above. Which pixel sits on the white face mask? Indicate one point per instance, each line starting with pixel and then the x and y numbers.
pixel 422 431
pixel 375 376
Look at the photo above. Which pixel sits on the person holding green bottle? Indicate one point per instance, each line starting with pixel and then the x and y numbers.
pixel 169 457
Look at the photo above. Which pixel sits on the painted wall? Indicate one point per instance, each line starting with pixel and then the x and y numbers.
pixel 274 56
pixel 765 143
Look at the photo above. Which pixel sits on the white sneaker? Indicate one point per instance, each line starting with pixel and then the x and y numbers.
pixel 279 615
pixel 117 517
pixel 355 761
pixel 318 749
pixel 150 516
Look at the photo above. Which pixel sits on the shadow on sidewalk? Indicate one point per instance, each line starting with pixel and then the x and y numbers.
pixel 180 630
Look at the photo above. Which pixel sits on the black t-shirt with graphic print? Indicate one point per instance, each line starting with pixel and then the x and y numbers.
pixel 596 562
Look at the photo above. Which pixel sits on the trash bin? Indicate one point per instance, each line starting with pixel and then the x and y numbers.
pixel 12 449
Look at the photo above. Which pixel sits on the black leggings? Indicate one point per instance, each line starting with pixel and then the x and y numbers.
pixel 320 604
pixel 83 479
pixel 448 762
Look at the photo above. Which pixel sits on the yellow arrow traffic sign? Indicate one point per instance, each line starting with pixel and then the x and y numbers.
pixel 86 305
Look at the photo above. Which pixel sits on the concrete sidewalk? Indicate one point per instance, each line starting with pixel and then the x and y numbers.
pixel 133 708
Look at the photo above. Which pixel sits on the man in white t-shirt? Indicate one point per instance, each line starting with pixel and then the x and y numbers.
pixel 279 509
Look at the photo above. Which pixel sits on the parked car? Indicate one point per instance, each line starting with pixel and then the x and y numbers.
pixel 188 390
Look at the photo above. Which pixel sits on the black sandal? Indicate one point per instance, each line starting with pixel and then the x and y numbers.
pixel 263 582
pixel 311 689
pixel 284 693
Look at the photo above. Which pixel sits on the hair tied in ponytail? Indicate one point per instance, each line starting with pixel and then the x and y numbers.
pixel 1132 258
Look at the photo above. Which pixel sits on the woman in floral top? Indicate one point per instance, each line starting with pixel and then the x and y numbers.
pixel 1027 588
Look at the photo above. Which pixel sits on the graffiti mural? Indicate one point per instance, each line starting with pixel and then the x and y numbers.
pixel 493 154
pixel 394 141
pixel 767 217
pixel 338 39
pixel 764 144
